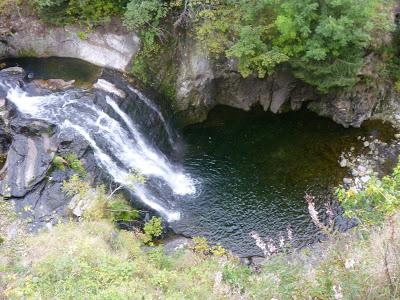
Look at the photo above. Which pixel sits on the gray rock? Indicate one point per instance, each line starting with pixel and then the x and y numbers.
pixel 176 243
pixel 101 47
pixel 54 84
pixel 365 178
pixel 28 160
pixel 343 163
pixel 108 87
pixel 13 70
pixel 347 180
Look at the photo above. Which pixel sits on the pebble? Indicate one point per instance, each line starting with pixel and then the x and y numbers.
pixel 366 144
pixel 365 178
pixel 343 163
pixel 347 180
pixel 397 136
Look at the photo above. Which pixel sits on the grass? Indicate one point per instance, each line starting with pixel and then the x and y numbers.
pixel 94 260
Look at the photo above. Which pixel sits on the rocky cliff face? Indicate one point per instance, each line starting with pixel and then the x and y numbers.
pixel 202 82
pixel 26 36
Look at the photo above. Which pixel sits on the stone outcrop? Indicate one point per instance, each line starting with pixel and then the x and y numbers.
pixel 204 83
pixel 28 37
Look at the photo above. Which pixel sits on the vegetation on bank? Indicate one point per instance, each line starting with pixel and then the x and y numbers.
pixel 94 259
pixel 322 42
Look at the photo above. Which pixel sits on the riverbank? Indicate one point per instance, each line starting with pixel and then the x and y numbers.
pixel 104 262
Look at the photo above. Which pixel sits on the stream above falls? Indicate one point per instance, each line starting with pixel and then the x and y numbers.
pixel 238 173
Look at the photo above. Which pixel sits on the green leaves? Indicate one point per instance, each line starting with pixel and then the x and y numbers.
pixel 323 41
pixel 142 14
pixel 378 200
pixel 90 12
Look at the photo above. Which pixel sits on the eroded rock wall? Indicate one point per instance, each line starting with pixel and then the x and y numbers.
pixel 26 36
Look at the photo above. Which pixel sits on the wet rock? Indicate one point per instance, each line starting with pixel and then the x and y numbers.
pixel 13 70
pixel 54 84
pixel 176 243
pixel 28 160
pixel 108 87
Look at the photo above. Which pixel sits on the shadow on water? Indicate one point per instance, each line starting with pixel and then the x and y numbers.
pixel 57 68
pixel 254 168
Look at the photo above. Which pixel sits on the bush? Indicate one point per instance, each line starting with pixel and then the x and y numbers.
pixel 88 12
pixel 59 162
pixel 97 204
pixel 75 164
pixel 379 199
pixel 152 229
pixel 323 41
pixel 201 246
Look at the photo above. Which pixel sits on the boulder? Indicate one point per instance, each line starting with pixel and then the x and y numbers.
pixel 28 160
pixel 54 84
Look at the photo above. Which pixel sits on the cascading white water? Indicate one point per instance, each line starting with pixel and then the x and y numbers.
pixel 116 149
pixel 154 108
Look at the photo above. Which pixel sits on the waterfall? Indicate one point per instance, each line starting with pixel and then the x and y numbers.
pixel 116 140
pixel 154 108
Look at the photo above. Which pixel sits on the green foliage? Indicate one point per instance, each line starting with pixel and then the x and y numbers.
pixel 97 204
pixel 379 199
pixel 201 246
pixel 83 11
pixel 236 276
pixel 143 14
pixel 107 263
pixel 76 186
pixel 59 162
pixel 152 229
pixel 75 164
pixel 121 210
pixel 82 35
pixel 323 41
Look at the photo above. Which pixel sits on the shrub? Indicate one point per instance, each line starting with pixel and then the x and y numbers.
pixel 152 229
pixel 75 164
pixel 201 246
pixel 83 11
pixel 323 41
pixel 59 162
pixel 97 204
pixel 121 211
pixel 379 199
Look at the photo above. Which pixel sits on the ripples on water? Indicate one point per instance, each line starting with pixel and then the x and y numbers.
pixel 254 168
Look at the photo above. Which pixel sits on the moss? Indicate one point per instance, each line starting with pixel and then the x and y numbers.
pixel 156 66
pixel 27 53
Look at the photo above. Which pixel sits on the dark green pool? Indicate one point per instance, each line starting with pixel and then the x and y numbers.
pixel 253 169
pixel 82 72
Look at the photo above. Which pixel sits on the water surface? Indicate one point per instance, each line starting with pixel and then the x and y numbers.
pixel 253 169
pixel 65 68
